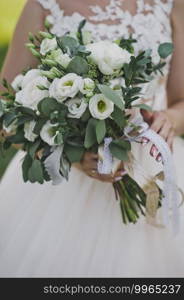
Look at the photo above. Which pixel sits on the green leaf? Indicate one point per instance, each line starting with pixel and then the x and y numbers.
pixel 119 149
pixel 112 95
pixel 23 119
pixel 78 65
pixel 26 165
pixel 100 130
pixel 90 137
pixel 33 148
pixel 143 106
pixel 35 173
pixel 9 118
pixel 119 117
pixel 80 27
pixel 68 44
pixel 73 153
pixel 1 109
pixel 47 106
pixel 26 111
pixel 59 139
pixel 18 138
pixel 165 50
pixel 38 126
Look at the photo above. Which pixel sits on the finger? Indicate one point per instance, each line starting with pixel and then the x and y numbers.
pixel 170 140
pixel 157 124
pixel 120 173
pixel 165 130
pixel 89 165
pixel 147 116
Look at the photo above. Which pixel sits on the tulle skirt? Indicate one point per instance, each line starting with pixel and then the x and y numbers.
pixel 75 229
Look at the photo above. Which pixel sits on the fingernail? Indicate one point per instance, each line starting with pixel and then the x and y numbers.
pixel 159 158
pixel 123 173
pixel 117 178
pixel 145 141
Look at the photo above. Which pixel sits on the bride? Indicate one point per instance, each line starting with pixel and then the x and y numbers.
pixel 75 229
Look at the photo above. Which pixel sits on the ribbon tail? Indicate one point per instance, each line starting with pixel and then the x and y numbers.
pixel 52 165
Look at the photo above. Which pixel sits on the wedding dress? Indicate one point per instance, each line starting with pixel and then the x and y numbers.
pixel 75 229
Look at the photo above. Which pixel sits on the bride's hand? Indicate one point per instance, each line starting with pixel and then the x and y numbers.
pixel 162 124
pixel 89 166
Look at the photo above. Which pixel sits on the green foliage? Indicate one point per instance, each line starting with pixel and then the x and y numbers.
pixel 112 95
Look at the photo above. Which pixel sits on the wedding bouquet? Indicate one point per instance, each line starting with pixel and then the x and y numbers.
pixel 79 99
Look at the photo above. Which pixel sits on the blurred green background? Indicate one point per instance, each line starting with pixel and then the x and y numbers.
pixel 9 14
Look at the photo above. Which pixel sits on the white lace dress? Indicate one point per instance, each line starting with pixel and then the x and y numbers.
pixel 75 229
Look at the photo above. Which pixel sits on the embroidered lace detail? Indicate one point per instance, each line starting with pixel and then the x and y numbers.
pixel 150 25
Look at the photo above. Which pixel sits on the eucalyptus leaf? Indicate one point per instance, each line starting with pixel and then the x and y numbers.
pixel 47 106
pixel 26 165
pixel 119 149
pixel 74 153
pixel 90 138
pixel 33 148
pixel 119 117
pixel 35 173
pixel 143 106
pixel 165 50
pixel 100 131
pixel 78 65
pixel 112 95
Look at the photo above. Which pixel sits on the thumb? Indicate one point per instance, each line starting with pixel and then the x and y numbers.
pixel 147 116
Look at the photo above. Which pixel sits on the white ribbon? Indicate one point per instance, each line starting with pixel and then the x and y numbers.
pixel 52 165
pixel 170 199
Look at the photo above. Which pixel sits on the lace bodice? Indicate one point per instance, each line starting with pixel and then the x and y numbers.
pixel 150 25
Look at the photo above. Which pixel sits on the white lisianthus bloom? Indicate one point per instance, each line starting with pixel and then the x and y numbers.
pixel 100 107
pixel 31 95
pixel 17 82
pixel 108 56
pixel 61 58
pixel 49 133
pixel 28 131
pixel 30 75
pixel 76 107
pixel 66 87
pixel 88 87
pixel 48 45
pixel 50 19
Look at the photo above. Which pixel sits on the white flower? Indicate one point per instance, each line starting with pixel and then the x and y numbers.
pixel 88 87
pixel 28 131
pixel 100 107
pixel 60 57
pixel 30 75
pixel 48 45
pixel 17 82
pixel 49 133
pixel 50 19
pixel 108 56
pixel 67 86
pixel 76 107
pixel 31 95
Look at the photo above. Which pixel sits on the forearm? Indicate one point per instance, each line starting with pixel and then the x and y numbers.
pixel 176 115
